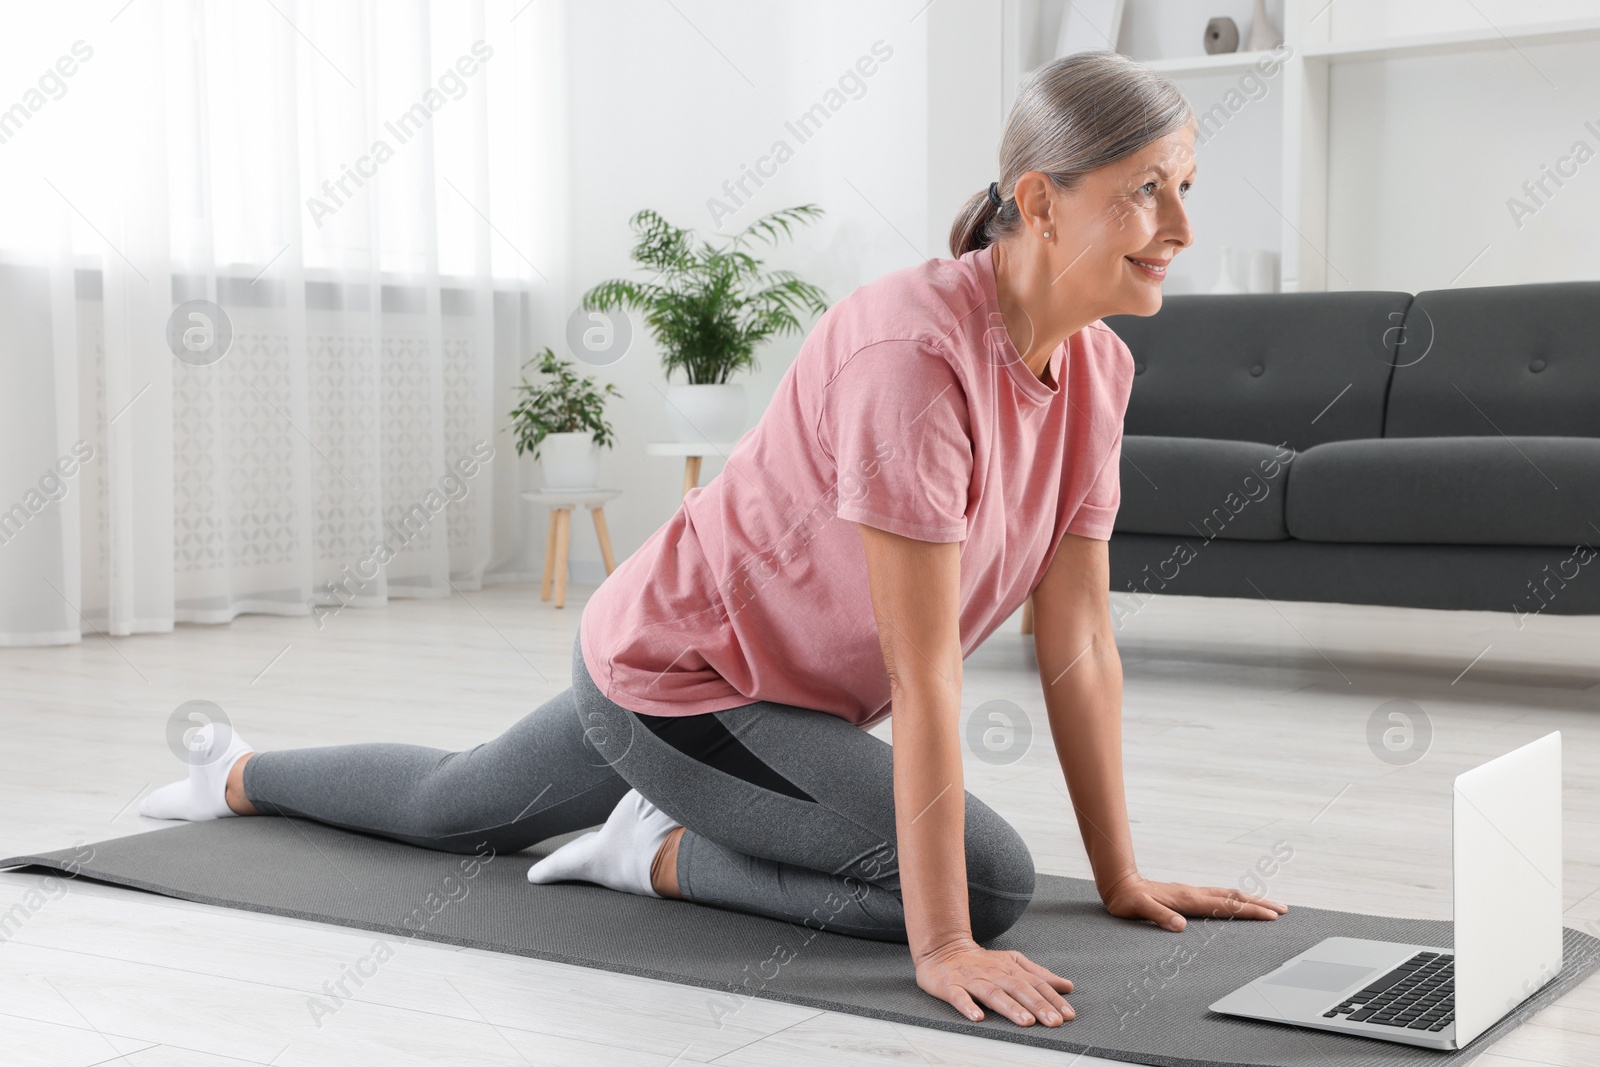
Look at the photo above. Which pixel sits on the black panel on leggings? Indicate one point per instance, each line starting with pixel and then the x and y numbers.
pixel 704 738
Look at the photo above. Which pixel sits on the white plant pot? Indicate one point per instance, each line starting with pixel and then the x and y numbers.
pixel 706 413
pixel 570 461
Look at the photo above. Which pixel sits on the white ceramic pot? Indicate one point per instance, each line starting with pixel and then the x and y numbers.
pixel 700 413
pixel 1229 274
pixel 570 461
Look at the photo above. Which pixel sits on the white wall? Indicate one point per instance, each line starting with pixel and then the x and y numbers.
pixel 1425 153
pixel 965 109
pixel 666 107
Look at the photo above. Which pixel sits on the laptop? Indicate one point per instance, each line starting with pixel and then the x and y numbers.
pixel 1506 834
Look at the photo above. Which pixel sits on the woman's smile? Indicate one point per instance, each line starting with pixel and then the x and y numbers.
pixel 1150 268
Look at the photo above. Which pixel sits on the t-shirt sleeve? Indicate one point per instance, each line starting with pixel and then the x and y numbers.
pixel 894 420
pixel 1098 512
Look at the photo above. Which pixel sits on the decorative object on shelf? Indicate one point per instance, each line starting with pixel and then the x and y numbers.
pixel 1088 25
pixel 1264 36
pixel 561 420
pixel 1227 274
pixel 1222 35
pixel 703 312
pixel 1262 276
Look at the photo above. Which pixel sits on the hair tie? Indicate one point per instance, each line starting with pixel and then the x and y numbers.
pixel 994 195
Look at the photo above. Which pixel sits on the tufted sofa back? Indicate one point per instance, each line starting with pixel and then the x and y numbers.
pixel 1302 368
pixel 1501 359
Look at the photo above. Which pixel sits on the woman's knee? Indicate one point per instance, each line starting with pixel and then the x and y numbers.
pixel 1000 876
pixel 993 914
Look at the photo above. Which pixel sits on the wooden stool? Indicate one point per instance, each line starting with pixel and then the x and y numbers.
pixel 561 502
pixel 692 453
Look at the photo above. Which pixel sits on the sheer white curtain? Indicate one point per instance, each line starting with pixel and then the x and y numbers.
pixel 366 195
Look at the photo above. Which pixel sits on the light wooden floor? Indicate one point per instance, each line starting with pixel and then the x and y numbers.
pixel 1245 724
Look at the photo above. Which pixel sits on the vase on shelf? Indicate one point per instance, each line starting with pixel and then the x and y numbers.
pixel 1222 35
pixel 1227 274
pixel 1262 276
pixel 1264 36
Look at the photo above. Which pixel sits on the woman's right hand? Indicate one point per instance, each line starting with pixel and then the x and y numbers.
pixel 965 973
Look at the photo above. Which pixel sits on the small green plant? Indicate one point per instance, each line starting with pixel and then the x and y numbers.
pixel 562 403
pixel 712 305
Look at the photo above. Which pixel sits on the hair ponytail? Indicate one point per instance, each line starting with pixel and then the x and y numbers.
pixel 971 228
pixel 1073 115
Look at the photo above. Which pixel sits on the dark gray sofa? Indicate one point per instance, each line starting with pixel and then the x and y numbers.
pixel 1439 450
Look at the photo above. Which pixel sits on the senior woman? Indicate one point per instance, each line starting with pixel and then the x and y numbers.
pixel 945 445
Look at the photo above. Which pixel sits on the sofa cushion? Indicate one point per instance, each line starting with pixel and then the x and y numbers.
pixel 1448 491
pixel 1295 368
pixel 1501 359
pixel 1195 487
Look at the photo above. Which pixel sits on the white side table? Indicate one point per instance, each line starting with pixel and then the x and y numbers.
pixel 561 502
pixel 692 452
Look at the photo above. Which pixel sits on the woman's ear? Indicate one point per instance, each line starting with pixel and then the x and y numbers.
pixel 1036 195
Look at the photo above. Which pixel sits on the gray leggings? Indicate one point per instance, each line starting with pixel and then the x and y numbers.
pixel 788 812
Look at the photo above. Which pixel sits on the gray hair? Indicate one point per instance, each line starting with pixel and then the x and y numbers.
pixel 1073 115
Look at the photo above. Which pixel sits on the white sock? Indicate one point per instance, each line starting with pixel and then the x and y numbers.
pixel 202 795
pixel 618 856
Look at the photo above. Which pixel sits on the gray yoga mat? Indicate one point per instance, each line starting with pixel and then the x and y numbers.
pixel 1140 992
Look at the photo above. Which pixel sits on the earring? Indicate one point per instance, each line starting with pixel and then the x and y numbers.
pixel 1047 233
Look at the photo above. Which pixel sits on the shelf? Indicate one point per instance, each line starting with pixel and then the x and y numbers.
pixel 1477 40
pixel 1220 63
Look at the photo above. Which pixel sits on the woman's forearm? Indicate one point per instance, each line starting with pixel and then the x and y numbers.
pixel 916 600
pixel 1085 709
pixel 929 803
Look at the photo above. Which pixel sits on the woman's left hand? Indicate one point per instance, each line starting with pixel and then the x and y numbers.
pixel 1166 903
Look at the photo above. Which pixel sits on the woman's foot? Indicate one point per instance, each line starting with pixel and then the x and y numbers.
pixel 204 794
pixel 618 856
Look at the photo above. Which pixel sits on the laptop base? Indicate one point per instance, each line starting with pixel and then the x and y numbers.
pixel 1308 985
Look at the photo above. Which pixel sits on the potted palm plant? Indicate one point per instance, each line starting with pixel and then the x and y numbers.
pixel 708 307
pixel 561 421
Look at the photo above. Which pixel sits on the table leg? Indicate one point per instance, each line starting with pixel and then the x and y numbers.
pixel 598 513
pixel 563 532
pixel 549 557
pixel 1027 616
pixel 691 473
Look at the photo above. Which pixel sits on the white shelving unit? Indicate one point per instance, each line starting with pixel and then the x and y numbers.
pixel 1217 64
pixel 1477 40
pixel 1305 74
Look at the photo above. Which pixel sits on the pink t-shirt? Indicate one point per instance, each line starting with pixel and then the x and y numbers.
pixel 908 409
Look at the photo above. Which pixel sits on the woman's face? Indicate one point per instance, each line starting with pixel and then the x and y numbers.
pixel 1123 225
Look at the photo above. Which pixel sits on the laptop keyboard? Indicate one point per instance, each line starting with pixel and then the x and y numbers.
pixel 1417 995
